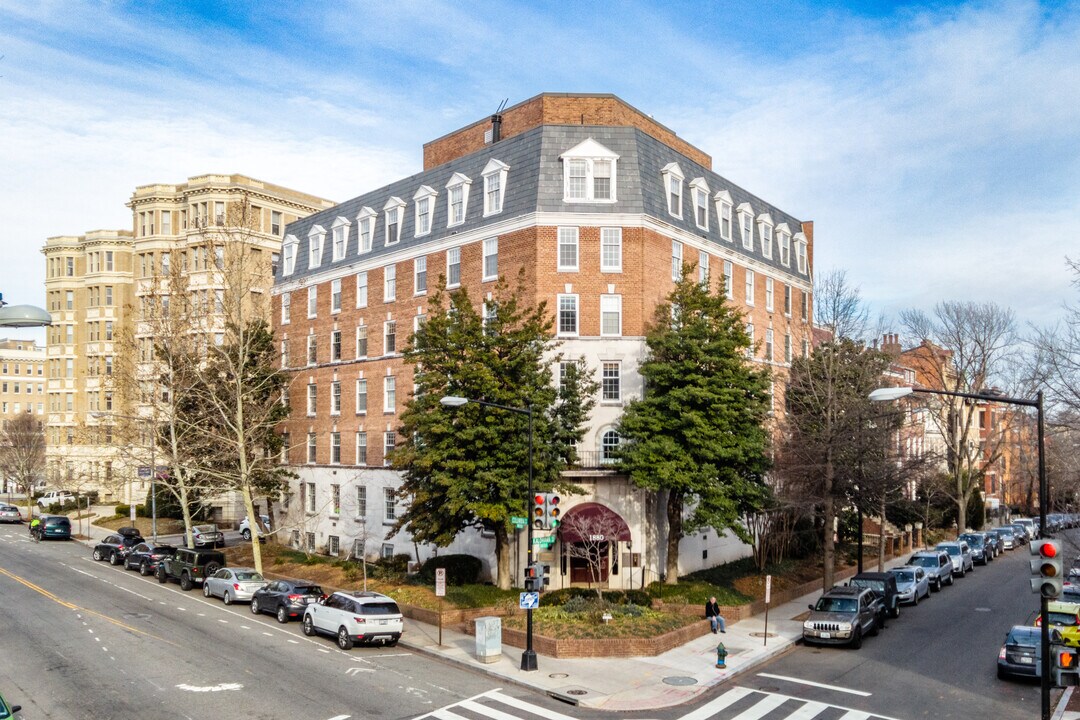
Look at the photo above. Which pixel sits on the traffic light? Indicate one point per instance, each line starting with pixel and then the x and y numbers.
pixel 534 581
pixel 546 511
pixel 1066 667
pixel 1047 568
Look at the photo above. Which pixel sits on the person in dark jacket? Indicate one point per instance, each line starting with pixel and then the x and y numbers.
pixel 712 614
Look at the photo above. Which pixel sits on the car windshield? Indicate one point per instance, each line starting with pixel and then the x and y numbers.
pixel 840 605
pixel 380 608
pixel 904 576
pixel 1065 619
pixel 249 576
pixel 927 562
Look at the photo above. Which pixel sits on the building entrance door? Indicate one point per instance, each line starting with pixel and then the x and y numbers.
pixel 589 563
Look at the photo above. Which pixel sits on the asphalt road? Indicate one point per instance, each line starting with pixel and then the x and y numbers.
pixel 80 639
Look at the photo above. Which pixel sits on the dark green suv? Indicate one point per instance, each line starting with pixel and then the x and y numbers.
pixel 190 566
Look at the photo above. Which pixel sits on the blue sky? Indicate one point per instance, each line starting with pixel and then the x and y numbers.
pixel 936 146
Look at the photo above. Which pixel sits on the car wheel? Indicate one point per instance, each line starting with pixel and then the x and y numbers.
pixel 206 589
pixel 246 535
pixel 254 606
pixel 185 582
pixel 144 569
pixel 895 612
pixel 391 643
pixel 916 603
pixel 114 559
pixel 963 572
pixel 97 555
pixel 343 640
pixel 309 627
pixel 876 627
pixel 226 598
pixel 282 614
pixel 935 587
pixel 856 639
pixel 161 574
pixel 951 578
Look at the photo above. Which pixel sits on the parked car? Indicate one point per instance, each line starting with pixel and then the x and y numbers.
pixel 264 528
pixel 884 584
pixel 286 599
pixel 1007 536
pixel 981 552
pixel 207 536
pixel 55 496
pixel 115 548
pixel 1019 654
pixel 1030 525
pixel 938 567
pixel 843 615
pixel 912 583
pixel 960 555
pixel 1020 531
pixel 355 617
pixel 145 557
pixel 10 514
pixel 7 710
pixel 993 540
pixel 54 527
pixel 1064 617
pixel 189 566
pixel 231 584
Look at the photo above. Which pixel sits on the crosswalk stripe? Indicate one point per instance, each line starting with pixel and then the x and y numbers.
pixel 808 711
pixel 445 714
pixel 712 707
pixel 534 709
pixel 855 715
pixel 762 708
pixel 486 711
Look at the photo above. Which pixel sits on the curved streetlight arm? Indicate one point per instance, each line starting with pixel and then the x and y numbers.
pixel 456 401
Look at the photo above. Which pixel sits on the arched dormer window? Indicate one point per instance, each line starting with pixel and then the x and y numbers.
pixel 316 237
pixel 424 204
pixel 365 223
pixel 457 199
pixel 495 173
pixel 339 233
pixel 288 255
pixel 589 173
pixel 673 181
pixel 699 195
pixel 393 212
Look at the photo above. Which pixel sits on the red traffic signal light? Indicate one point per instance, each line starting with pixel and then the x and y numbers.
pixel 1048 550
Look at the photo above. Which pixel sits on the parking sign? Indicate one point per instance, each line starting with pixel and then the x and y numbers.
pixel 440 582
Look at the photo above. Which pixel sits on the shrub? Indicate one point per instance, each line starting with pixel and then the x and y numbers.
pixel 557 598
pixel 125 510
pixel 460 569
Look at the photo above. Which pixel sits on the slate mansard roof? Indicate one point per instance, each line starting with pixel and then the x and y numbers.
pixel 534 184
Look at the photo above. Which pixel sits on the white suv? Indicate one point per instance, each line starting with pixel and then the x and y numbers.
pixel 355 617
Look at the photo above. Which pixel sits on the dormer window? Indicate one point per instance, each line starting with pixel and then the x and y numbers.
pixel 699 192
pixel 494 185
pixel 288 252
pixel 765 232
pixel 673 180
pixel 393 211
pixel 800 252
pixel 457 199
pixel 723 211
pixel 365 222
pixel 424 201
pixel 746 225
pixel 340 233
pixel 316 236
pixel 783 239
pixel 589 173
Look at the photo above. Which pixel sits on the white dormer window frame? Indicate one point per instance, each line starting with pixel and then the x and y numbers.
pixel 339 233
pixel 765 233
pixel 393 214
pixel 589 171
pixel 494 175
pixel 746 225
pixel 724 206
pixel 365 230
pixel 288 255
pixel 800 252
pixel 457 190
pixel 699 195
pixel 673 181
pixel 424 210
pixel 783 241
pixel 316 238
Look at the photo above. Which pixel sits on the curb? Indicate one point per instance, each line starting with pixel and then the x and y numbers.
pixel 1063 704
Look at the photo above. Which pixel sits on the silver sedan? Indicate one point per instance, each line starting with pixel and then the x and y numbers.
pixel 912 583
pixel 10 514
pixel 233 584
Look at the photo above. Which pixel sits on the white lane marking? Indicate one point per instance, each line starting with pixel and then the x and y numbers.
pixel 268 634
pixel 181 609
pixel 210 688
pixel 201 614
pixel 800 681
pixel 391 655
pixel 104 649
pixel 245 627
pixel 762 708
pixel 357 671
pixel 295 642
pixel 341 717
pixel 709 709
pixel 219 620
pixel 323 650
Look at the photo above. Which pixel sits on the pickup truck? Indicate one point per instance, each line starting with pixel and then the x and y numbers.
pixel 55 496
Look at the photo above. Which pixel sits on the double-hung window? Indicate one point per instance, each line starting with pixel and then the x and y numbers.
pixel 315 246
pixel 457 199
pixel 750 335
pixel 589 173
pixel 361 459
pixel 769 345
pixel 389 496
pixel 389 337
pixel 365 229
pixel 723 211
pixel 787 348
pixel 491 259
pixel 312 455
pixel 361 290
pixel 340 236
pixel 335 398
pixel 335 295
pixel 288 255
pixel 749 286
pixel 765 232
pixel 335 345
pixel 611 249
pixel 420 275
pixel 495 173
pixel 312 349
pixel 611 381
pixel 769 294
pixel 804 310
pixel 673 182
pixel 611 315
pixel 389 394
pixel 729 286
pixel 275 223
pixel 453 267
pixel 783 240
pixel 568 315
pixel 787 300
pixel 800 252
pixel 703 268
pixel 699 193
pixel 361 341
pixel 746 225
pixel 424 203
pixel 568 249
pixel 392 212
pixel 361 396
pixel 312 399
pixel 286 308
pixel 389 283
pixel 676 261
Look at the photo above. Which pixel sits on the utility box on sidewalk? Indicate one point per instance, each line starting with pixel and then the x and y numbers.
pixel 488 639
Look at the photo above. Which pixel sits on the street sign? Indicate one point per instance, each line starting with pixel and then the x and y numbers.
pixel 768 588
pixel 529 600
pixel 144 471
pixel 440 582
pixel 544 542
pixel 519 522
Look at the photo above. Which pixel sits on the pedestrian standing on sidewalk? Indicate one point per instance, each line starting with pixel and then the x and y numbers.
pixel 712 614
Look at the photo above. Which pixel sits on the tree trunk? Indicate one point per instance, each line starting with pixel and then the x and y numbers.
pixel 502 558
pixel 961 504
pixel 675 533
pixel 881 538
pixel 253 525
pixel 828 560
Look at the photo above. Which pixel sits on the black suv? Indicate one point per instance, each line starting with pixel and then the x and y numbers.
pixel 115 548
pixel 884 584
pixel 190 566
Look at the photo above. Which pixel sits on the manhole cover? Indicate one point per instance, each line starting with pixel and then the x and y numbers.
pixel 762 634
pixel 558 676
pixel 982 609
pixel 577 692
pixel 680 680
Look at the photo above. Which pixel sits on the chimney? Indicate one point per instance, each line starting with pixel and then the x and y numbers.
pixel 496 128
pixel 890 344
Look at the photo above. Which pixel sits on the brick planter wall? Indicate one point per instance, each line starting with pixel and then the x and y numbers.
pixel 603 647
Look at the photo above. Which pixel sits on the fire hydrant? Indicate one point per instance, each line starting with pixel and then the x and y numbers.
pixel 721 656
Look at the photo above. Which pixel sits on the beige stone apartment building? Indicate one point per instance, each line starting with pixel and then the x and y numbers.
pixel 97 285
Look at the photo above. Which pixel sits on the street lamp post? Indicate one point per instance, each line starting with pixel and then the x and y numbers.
pixel 528 657
pixel 895 393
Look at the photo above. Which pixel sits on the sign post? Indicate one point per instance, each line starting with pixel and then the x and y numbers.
pixel 768 597
pixel 440 592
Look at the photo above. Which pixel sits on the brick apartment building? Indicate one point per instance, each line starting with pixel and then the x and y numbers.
pixel 601 207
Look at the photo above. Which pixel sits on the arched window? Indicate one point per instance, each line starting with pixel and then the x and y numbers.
pixel 609 441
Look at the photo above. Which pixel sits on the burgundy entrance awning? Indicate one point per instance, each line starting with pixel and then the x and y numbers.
pixel 593 520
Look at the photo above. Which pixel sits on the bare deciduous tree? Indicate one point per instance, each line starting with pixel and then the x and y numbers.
pixel 838 306
pixel 22 454
pixel 595 533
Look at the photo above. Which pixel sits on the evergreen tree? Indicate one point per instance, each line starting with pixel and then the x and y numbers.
pixel 468 466
pixel 698 433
